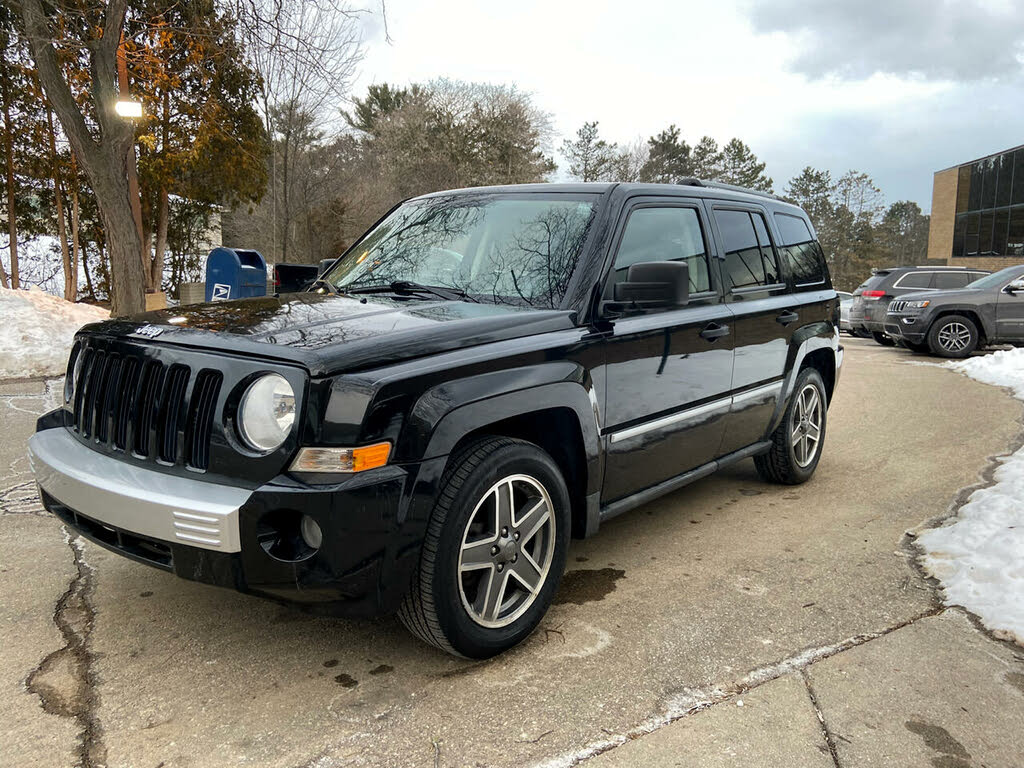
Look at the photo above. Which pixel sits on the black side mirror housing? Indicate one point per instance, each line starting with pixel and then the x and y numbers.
pixel 1015 286
pixel 654 285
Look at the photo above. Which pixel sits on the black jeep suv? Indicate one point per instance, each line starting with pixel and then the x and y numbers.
pixel 485 374
pixel 870 299
pixel 955 323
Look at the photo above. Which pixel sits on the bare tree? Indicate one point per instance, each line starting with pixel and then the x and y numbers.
pixel 99 137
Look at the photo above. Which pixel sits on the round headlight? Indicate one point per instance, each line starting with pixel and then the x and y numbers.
pixel 267 412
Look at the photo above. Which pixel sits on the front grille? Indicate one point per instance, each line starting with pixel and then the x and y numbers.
pixel 139 405
pixel 897 306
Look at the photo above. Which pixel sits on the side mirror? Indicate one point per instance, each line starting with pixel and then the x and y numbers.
pixel 654 284
pixel 1015 286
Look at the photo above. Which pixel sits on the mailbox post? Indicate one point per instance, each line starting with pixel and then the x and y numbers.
pixel 234 273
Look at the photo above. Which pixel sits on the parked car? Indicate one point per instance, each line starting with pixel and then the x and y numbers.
pixel 293 278
pixel 955 323
pixel 483 375
pixel 845 302
pixel 872 297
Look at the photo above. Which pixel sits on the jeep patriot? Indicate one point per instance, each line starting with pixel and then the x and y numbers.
pixel 485 374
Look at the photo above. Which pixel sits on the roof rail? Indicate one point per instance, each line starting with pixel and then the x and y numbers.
pixel 694 182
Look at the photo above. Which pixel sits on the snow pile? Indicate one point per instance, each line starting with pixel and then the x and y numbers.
pixel 37 330
pixel 979 556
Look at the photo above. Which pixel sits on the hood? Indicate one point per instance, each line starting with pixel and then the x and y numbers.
pixel 953 294
pixel 331 334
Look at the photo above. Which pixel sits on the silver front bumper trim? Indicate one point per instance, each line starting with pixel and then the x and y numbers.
pixel 161 506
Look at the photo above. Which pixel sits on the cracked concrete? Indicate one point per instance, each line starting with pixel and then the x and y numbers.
pixel 801 603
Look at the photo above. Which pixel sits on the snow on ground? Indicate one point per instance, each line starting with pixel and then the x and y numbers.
pixel 979 555
pixel 37 330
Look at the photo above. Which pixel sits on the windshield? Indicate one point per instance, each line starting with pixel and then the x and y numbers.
pixel 996 279
pixel 509 249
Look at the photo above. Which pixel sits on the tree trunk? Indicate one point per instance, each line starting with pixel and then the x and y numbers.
pixel 162 212
pixel 12 220
pixel 104 159
pixel 70 288
pixel 75 247
pixel 88 276
pixel 284 188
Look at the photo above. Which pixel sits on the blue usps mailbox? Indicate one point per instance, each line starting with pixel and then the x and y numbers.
pixel 233 273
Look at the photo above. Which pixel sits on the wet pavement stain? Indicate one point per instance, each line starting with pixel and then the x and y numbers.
pixel 750 492
pixel 937 738
pixel 331 663
pixel 582 559
pixel 346 681
pixel 587 585
pixel 382 669
pixel 1016 679
pixel 145 594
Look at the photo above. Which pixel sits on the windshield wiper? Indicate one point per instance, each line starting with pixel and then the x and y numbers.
pixel 408 286
pixel 320 282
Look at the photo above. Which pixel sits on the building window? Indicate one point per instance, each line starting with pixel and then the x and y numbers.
pixel 1015 238
pixel 989 206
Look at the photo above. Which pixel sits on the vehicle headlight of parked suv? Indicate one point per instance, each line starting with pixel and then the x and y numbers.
pixel 267 412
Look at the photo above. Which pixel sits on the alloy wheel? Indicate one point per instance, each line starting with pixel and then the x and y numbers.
pixel 954 337
pixel 806 425
pixel 506 551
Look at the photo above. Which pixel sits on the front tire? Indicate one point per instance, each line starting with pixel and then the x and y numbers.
pixel 953 336
pixel 797 441
pixel 881 338
pixel 494 550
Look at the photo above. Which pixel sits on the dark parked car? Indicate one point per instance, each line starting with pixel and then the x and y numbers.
pixel 872 297
pixel 483 375
pixel 955 323
pixel 292 278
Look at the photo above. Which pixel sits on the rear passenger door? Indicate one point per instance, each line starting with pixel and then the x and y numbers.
pixel 668 372
pixel 757 293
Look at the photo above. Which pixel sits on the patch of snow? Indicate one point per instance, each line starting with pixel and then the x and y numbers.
pixel 37 330
pixel 979 555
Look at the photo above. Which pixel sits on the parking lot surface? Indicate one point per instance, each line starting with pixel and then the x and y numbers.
pixel 730 623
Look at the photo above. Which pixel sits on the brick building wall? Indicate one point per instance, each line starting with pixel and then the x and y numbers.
pixel 943 216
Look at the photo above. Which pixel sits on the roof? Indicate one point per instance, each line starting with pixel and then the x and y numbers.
pixel 692 187
pixel 979 159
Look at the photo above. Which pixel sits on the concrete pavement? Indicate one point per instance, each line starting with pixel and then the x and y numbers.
pixel 803 603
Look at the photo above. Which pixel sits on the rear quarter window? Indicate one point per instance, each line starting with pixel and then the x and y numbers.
pixel 801 253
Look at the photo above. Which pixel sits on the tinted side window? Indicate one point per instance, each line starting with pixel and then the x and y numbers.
pixel 747 263
pixel 947 280
pixel 663 234
pixel 801 251
pixel 915 280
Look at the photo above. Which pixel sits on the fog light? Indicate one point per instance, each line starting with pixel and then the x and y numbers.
pixel 311 533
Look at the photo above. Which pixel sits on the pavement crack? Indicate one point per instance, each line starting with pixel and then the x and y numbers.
pixel 826 732
pixel 692 700
pixel 65 681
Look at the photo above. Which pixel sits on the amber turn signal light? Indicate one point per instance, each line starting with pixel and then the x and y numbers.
pixel 327 460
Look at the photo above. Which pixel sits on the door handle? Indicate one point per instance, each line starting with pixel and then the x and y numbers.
pixel 714 331
pixel 787 317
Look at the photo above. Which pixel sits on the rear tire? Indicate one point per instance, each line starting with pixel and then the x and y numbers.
pixel 798 440
pixel 881 338
pixel 953 336
pixel 494 551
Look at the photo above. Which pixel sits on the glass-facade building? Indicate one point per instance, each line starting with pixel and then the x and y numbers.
pixel 989 216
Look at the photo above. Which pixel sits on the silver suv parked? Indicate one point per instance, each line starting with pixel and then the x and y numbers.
pixel 872 297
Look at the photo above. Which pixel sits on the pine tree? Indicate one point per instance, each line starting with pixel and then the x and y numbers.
pixel 741 167
pixel 590 157
pixel 707 159
pixel 668 158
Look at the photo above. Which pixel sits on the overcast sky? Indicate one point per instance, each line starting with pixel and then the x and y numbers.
pixel 895 88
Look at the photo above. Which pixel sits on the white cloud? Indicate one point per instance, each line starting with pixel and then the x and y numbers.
pixel 715 68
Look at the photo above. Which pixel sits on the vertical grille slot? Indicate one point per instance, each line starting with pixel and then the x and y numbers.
pixel 94 382
pixel 125 401
pixel 170 418
pixel 101 408
pixel 106 404
pixel 152 378
pixel 80 386
pixel 200 418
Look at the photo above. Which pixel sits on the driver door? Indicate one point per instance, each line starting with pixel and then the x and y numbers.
pixel 669 371
pixel 1010 314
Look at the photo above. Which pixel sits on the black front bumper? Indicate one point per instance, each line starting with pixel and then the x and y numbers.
pixel 372 524
pixel 897 327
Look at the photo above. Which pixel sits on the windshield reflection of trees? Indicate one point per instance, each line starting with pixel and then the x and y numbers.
pixel 508 251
